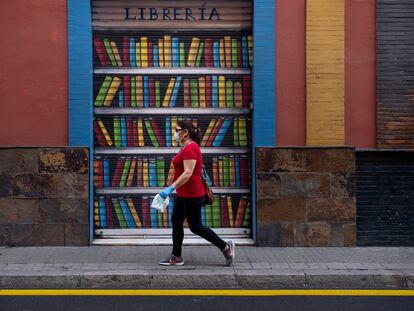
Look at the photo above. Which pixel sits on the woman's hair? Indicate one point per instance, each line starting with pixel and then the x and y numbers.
pixel 193 130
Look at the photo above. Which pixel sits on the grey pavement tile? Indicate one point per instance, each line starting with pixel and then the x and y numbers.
pixel 14 267
pixel 279 265
pixel 336 266
pixel 261 266
pixel 2 266
pixel 34 267
pixel 364 266
pixel 242 266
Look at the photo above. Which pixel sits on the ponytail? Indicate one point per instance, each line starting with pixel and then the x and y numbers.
pixel 193 130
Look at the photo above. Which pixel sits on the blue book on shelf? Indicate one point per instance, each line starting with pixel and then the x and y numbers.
pixel 170 209
pixel 175 52
pixel 153 216
pixel 127 213
pixel 106 172
pixel 152 168
pixel 146 92
pixel 245 53
pixel 216 54
pixel 123 132
pixel 102 212
pixel 237 170
pixel 203 215
pixel 214 89
pixel 168 135
pixel 121 98
pixel 155 56
pixel 175 91
pixel 222 132
pixel 132 52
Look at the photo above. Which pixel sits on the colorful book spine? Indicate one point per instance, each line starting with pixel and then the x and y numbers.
pixel 118 172
pixel 140 127
pixel 117 132
pixel 247 216
pixel 127 213
pixel 241 210
pixel 98 173
pixel 144 52
pixel 247 90
pixel 222 132
pixel 187 102
pixel 96 213
pixel 232 172
pixel 192 53
pixel 168 93
pixel 161 52
pixel 245 52
pixel 224 212
pixel 221 172
pixel 250 45
pixel 216 212
pixel 134 213
pixel 239 54
pixel 146 223
pixel 160 219
pixel 238 95
pixel 160 172
pixel 209 216
pixel 208 132
pixel 146 92
pixel 151 92
pixel 133 93
pixel 175 92
pixel 151 133
pixel 165 217
pixel 203 215
pixel 214 132
pixel 167 51
pixel 194 93
pixel 150 55
pixel 244 171
pixel 157 94
pixel 131 172
pixel 152 166
pixel 108 48
pixel 135 133
pixel 157 133
pixel 222 91
pixel 230 209
pixel 208 91
pixel 139 91
pixel 130 141
pixel 208 53
pixel 227 47
pixel 242 131
pixel 105 133
pixel 145 170
pixel 214 92
pixel 98 134
pixel 237 169
pixel 132 54
pixel 127 91
pixel 156 57
pixel 123 132
pixel 229 94
pixel 216 181
pixel 202 92
pixel 138 54
pixel 126 51
pixel 106 179
pixel 168 138
pixel 101 52
pixel 175 52
pixel 236 141
pixel 226 176
pixel 140 173
pixel 234 54
pixel 200 54
pixel 119 214
pixel 116 82
pixel 125 172
pixel 99 100
pixel 222 54
pixel 182 55
pixel 116 54
pixel 121 98
pixel 216 54
pixel 109 213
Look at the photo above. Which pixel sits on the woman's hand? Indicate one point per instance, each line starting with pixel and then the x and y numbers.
pixel 167 191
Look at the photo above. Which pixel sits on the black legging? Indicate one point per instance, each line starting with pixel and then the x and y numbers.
pixel 191 209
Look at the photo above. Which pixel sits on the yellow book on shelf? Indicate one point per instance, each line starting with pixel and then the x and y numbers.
pixel 167 51
pixel 105 132
pixel 113 88
pixel 232 173
pixel 168 93
pixel 134 213
pixel 222 92
pixel 227 46
pixel 238 95
pixel 96 214
pixel 230 209
pixel 208 132
pixel 192 53
pixel 131 172
pixel 139 91
pixel 250 48
pixel 161 52
pixel 144 51
pixel 222 58
pixel 145 172
pixel 138 54
pixel 116 54
pixel 140 133
pixel 173 126
pixel 202 92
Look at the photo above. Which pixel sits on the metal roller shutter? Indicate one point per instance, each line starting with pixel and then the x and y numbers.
pixel 156 62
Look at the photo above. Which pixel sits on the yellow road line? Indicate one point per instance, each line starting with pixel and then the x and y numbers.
pixel 201 292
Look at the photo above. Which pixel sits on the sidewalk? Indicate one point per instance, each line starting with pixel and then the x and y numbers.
pixel 254 267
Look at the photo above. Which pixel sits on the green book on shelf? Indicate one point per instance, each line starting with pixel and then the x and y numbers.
pixel 247 215
pixel 110 52
pixel 199 54
pixel 133 93
pixel 209 216
pixel 182 55
pixel 125 172
pixel 102 91
pixel 117 132
pixel 226 177
pixel 229 94
pixel 160 219
pixel 236 132
pixel 119 214
pixel 157 94
pixel 160 172
pixel 242 131
pixel 194 93
pixel 234 53
pixel 151 133
pixel 216 213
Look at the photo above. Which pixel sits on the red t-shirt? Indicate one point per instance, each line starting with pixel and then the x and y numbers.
pixel 193 188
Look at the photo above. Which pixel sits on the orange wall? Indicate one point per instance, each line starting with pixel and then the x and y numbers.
pixel 290 73
pixel 33 85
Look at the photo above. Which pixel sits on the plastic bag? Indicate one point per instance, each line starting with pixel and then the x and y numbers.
pixel 159 203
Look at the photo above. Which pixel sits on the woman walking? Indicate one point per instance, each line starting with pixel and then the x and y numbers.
pixel 190 195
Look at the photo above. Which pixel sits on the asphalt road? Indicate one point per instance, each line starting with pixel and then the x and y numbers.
pixel 210 303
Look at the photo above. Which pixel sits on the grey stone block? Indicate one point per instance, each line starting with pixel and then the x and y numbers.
pixel 39 281
pixel 138 279
pixel 277 279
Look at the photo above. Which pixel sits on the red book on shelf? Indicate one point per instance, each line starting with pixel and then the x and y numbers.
pixel 118 172
pixel 145 212
pixel 130 136
pixel 208 91
pixel 157 133
pixel 239 54
pixel 247 90
pixel 101 52
pixel 244 171
pixel 109 212
pixel 98 173
pixel 134 133
pixel 224 212
pixel 241 209
pixel 126 51
pixel 127 91
pixel 150 55
pixel 214 132
pixel 208 52
pixel 151 92
pixel 99 135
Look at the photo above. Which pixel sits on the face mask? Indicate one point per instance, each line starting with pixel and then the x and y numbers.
pixel 177 137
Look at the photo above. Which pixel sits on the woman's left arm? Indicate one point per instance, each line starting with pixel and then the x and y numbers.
pixel 189 166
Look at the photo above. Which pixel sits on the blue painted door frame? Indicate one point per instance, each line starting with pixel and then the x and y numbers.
pixel 80 83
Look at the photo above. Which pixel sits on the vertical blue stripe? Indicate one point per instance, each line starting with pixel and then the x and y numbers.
pixel 106 172
pixel 132 52
pixel 214 88
pixel 121 98
pixel 155 55
pixel 80 90
pixel 216 54
pixel 146 92
pixel 124 132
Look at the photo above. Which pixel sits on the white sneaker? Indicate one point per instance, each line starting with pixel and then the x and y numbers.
pixel 229 253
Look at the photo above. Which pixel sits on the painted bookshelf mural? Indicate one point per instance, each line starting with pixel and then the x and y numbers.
pixel 151 73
